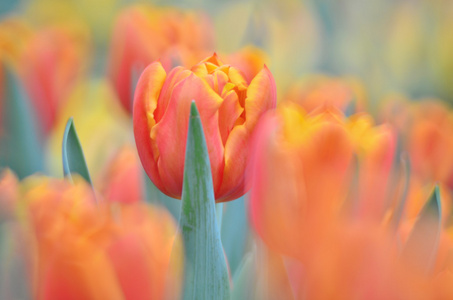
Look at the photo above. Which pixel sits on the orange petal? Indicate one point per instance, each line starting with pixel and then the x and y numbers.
pixel 236 149
pixel 229 111
pixel 173 77
pixel 171 131
pixel 145 102
pixel 261 96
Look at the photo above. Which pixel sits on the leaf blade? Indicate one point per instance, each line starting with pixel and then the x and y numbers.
pixel 72 154
pixel 205 271
pixel 20 137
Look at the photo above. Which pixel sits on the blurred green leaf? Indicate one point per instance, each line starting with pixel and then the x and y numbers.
pixel 423 242
pixel 205 270
pixel 243 283
pixel 235 231
pixel 262 275
pixel 21 149
pixel 73 158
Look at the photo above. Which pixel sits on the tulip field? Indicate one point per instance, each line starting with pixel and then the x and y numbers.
pixel 198 150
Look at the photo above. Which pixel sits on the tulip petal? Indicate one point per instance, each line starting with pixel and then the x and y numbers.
pixel 145 102
pixel 229 111
pixel 261 96
pixel 173 127
pixel 175 76
pixel 237 78
pixel 235 162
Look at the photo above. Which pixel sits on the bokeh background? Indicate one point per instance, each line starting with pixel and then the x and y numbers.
pixel 62 59
pixel 392 46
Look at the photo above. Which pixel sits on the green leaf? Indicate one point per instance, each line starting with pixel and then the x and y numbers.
pixel 421 247
pixel 21 148
pixel 73 158
pixel 205 270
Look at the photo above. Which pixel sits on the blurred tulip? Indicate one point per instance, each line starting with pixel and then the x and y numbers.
pixel 345 94
pixel 425 129
pixel 52 62
pixel 249 60
pixel 229 110
pixel 123 181
pixel 430 141
pixel 14 36
pixel 303 175
pixel 90 251
pixel 359 261
pixel 48 61
pixel 143 34
pixel 8 194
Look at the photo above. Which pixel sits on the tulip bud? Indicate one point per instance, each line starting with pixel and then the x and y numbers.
pixel 229 110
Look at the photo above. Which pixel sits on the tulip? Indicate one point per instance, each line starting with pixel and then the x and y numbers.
pixel 361 262
pixel 426 131
pixel 430 142
pixel 123 180
pixel 143 34
pixel 229 111
pixel 344 94
pixel 86 250
pixel 249 60
pixel 14 37
pixel 303 177
pixel 48 61
pixel 50 66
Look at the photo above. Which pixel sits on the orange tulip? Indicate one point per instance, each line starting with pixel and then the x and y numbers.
pixel 249 60
pixel 50 66
pixel 229 110
pixel 344 94
pixel 122 179
pixel 14 37
pixel 430 142
pixel 48 61
pixel 359 261
pixel 426 131
pixel 302 175
pixel 143 34
pixel 86 250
